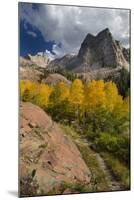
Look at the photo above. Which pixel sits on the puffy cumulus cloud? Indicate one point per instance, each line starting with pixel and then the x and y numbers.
pixel 69 25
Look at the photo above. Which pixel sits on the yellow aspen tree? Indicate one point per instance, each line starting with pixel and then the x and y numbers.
pixel 125 109
pixel 117 110
pixel 112 96
pixel 76 98
pixel 95 95
pixel 76 93
pixel 42 98
pixel 22 88
pixel 64 91
pixel 126 104
pixel 28 90
pixel 60 93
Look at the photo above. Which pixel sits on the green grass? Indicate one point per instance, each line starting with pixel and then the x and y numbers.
pixel 98 179
pixel 70 131
pixel 77 187
pixel 119 170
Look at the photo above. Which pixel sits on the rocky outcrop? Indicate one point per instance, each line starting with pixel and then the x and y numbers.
pixel 32 74
pixel 55 78
pixel 39 59
pixel 49 159
pixel 102 51
pixel 62 63
pixel 96 52
pixel 126 53
pixel 32 67
pixel 99 56
pixel 29 70
pixel 103 74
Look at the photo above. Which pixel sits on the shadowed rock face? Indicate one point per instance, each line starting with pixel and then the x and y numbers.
pixel 102 51
pixel 67 61
pixel 96 52
pixel 98 55
pixel 126 53
pixel 48 158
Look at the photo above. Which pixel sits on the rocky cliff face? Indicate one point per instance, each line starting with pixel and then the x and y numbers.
pixel 30 68
pixel 39 59
pixel 48 157
pixel 101 51
pixel 65 62
pixel 126 53
pixel 96 52
pixel 99 56
pixel 30 73
pixel 103 74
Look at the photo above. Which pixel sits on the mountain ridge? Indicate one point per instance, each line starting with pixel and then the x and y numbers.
pixel 96 52
pixel 99 57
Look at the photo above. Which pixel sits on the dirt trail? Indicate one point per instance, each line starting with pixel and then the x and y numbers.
pixel 113 184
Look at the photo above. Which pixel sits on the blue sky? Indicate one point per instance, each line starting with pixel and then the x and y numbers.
pixel 32 41
pixel 59 30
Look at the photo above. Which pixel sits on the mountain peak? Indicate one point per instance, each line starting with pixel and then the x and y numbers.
pixel 106 30
pixel 104 34
pixel 101 51
pixel 96 52
pixel 89 36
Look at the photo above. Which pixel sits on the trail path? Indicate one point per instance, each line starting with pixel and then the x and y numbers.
pixel 113 184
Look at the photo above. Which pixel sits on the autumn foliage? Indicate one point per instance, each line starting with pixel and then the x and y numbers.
pixel 76 97
pixel 95 109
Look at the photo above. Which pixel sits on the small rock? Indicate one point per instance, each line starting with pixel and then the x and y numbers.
pixel 32 125
pixel 67 191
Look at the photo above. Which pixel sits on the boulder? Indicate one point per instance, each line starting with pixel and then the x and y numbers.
pixel 55 78
pixel 48 157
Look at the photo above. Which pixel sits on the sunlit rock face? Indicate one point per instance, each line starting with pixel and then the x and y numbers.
pixel 48 157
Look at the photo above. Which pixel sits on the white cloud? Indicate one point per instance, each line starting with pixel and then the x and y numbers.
pixel 49 54
pixel 32 34
pixel 69 25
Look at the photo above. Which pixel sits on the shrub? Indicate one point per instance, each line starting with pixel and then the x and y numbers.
pixel 119 170
pixel 117 145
